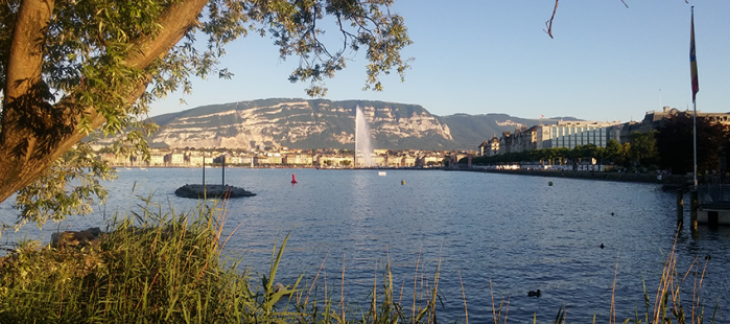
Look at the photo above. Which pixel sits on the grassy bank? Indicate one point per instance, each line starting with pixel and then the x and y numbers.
pixel 156 267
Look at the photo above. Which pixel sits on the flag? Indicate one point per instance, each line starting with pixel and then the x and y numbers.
pixel 693 59
pixel 542 115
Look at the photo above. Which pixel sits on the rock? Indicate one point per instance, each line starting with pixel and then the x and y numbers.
pixel 213 191
pixel 72 239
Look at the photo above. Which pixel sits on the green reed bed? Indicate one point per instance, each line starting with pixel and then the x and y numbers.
pixel 156 266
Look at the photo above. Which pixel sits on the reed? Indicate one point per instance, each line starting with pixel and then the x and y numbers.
pixel 157 266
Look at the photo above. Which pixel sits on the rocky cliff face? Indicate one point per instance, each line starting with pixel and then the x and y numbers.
pixel 299 123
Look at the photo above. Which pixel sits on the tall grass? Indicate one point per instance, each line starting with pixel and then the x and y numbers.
pixel 162 266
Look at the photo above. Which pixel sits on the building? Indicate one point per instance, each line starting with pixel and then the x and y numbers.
pixel 297 159
pixel 115 160
pixel 408 161
pixel 269 159
pixel 653 120
pixel 176 159
pixel 525 139
pixel 335 160
pixel 196 160
pixel 489 147
pixel 505 143
pixel 157 160
pixel 573 133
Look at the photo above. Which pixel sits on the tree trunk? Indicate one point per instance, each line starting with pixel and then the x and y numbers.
pixel 35 132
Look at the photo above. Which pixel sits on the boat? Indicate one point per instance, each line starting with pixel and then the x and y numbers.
pixel 381 173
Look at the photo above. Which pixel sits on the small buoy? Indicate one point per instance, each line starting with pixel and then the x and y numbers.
pixel 550 183
pixel 403 182
pixel 602 245
pixel 611 213
pixel 293 179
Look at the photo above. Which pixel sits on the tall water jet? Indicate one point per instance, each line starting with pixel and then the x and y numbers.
pixel 362 141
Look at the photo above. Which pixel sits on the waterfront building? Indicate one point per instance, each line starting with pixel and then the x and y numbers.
pixel 245 160
pixel 297 159
pixel 267 160
pixel 379 160
pixel 176 159
pixel 505 143
pixel 196 160
pixel 653 120
pixel 334 160
pixel 260 160
pixel 115 160
pixel 525 139
pixel 408 161
pixel 573 133
pixel 157 160
pixel 489 147
pixel 429 160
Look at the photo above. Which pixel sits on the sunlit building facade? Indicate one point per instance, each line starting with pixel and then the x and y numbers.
pixel 574 133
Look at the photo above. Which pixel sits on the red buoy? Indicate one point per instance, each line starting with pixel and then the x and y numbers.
pixel 293 178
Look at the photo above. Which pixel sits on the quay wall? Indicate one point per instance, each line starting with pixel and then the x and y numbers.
pixel 608 176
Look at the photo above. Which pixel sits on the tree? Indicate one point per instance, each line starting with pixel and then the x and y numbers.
pixel 675 144
pixel 613 150
pixel 69 68
pixel 643 148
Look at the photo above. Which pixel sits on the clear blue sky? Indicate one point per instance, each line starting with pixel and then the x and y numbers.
pixel 607 62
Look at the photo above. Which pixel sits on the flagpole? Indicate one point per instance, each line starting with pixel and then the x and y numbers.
pixel 695 89
pixel 694 116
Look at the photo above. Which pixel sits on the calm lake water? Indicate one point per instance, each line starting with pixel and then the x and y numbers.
pixel 516 231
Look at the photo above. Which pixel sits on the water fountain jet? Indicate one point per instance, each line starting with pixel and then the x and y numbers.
pixel 362 141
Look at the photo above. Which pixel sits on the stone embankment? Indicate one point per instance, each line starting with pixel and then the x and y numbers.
pixel 675 180
pixel 218 191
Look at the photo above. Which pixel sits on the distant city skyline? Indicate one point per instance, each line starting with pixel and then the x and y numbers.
pixel 606 62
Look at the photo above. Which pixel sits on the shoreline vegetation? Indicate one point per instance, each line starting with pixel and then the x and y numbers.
pixel 156 266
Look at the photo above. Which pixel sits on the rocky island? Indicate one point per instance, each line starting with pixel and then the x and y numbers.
pixel 214 191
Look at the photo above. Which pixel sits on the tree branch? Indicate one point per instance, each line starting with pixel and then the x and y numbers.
pixel 41 144
pixel 176 21
pixel 26 53
pixel 549 23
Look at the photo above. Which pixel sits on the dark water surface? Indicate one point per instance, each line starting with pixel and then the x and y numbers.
pixel 516 231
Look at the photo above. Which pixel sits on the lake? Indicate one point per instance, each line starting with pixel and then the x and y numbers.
pixel 513 231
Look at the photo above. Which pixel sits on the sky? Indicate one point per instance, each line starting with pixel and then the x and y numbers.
pixel 605 63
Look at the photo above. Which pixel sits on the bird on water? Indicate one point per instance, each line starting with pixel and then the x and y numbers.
pixel 534 293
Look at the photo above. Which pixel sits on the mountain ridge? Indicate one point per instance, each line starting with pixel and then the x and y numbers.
pixel 320 123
